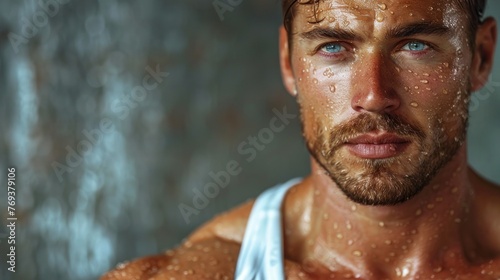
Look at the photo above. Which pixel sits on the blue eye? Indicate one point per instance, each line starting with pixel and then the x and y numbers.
pixel 332 48
pixel 415 46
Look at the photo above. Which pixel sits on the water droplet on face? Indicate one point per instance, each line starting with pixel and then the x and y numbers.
pixel 315 81
pixel 419 212
pixel 380 18
pixel 382 6
pixel 414 104
pixel 357 253
pixel 340 236
pixel 416 87
pixel 424 81
pixel 328 73
pixel 332 88
pixel 381 224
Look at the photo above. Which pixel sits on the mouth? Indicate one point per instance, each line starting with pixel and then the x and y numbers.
pixel 377 146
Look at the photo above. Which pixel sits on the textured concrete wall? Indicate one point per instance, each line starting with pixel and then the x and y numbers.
pixel 106 151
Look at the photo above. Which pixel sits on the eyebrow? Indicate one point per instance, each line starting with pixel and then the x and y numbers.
pixel 330 33
pixel 398 31
pixel 420 28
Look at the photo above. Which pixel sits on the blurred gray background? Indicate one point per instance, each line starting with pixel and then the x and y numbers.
pixel 89 196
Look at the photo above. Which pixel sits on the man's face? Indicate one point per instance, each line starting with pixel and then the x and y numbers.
pixel 383 89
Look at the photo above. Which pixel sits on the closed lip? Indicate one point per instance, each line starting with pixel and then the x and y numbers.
pixel 377 146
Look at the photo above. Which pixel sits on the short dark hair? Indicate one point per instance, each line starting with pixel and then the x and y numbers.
pixel 473 8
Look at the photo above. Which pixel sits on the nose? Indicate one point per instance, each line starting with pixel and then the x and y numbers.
pixel 373 85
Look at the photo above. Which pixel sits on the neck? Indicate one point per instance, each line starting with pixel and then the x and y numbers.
pixel 418 235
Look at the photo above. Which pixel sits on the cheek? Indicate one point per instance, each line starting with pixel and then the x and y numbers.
pixel 322 89
pixel 437 98
pixel 319 95
pixel 435 89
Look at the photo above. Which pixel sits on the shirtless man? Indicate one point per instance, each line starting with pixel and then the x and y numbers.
pixel 383 88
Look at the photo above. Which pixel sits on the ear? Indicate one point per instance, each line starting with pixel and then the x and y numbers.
pixel 285 63
pixel 482 60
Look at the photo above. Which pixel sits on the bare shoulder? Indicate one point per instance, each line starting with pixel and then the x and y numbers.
pixel 209 253
pixel 487 209
pixel 206 259
pixel 229 226
pixel 488 196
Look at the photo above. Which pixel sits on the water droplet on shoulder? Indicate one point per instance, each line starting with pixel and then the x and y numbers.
pixel 382 6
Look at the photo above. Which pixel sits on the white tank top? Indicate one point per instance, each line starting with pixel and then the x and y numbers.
pixel 261 253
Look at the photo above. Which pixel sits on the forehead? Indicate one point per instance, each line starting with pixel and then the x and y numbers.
pixel 368 16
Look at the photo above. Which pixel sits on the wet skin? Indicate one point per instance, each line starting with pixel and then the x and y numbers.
pixel 403 58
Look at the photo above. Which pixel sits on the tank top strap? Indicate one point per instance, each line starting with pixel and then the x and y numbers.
pixel 261 253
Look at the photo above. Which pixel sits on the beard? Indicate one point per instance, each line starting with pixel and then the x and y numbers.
pixel 393 180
